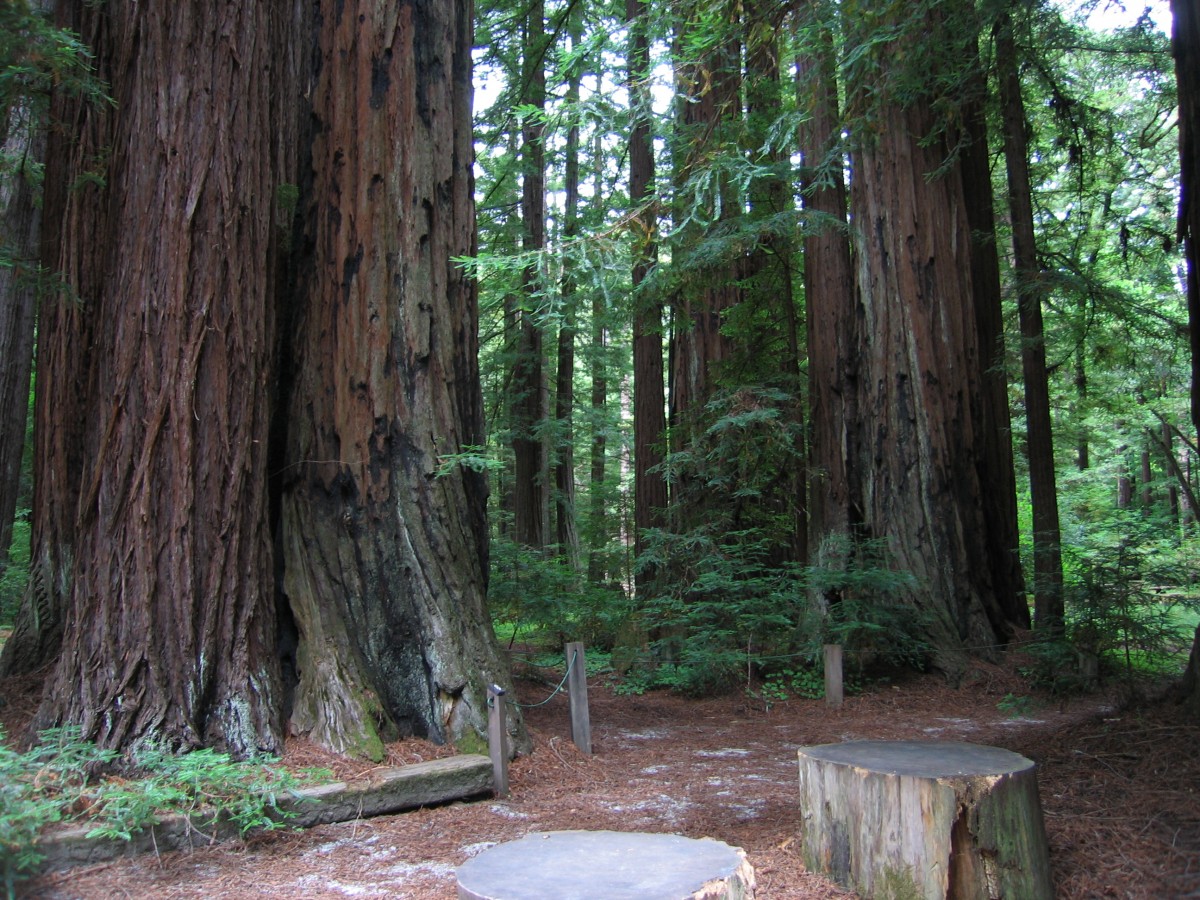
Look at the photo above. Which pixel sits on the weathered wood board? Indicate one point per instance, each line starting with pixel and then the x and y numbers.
pixel 924 819
pixel 390 791
pixel 607 865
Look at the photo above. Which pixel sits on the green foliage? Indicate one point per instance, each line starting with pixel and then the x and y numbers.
pixel 721 603
pixel 59 780
pixel 15 573
pixel 802 681
pixel 36 788
pixel 867 610
pixel 1054 665
pixel 474 458
pixel 530 589
pixel 36 58
pixel 726 590
pixel 728 602
pixel 1131 596
pixel 1014 705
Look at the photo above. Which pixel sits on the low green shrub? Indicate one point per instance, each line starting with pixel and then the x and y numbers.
pixel 62 779
pixel 1131 601
pixel 15 573
pixel 866 607
pixel 547 599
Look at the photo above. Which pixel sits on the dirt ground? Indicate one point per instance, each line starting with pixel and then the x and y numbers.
pixel 1120 788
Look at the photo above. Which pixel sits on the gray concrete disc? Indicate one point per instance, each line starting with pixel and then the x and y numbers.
pixel 596 865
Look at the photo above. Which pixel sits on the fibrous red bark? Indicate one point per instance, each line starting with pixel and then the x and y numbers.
pixel 916 433
pixel 383 535
pixel 168 627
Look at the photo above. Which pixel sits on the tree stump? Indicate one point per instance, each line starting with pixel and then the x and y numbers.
pixel 607 865
pixel 924 819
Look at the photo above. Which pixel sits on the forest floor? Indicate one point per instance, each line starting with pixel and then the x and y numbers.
pixel 1119 783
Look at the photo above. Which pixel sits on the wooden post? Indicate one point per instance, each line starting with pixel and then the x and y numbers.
pixel 833 676
pixel 498 739
pixel 581 725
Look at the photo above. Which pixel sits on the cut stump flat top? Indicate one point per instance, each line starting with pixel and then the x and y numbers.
pixel 597 865
pixel 923 759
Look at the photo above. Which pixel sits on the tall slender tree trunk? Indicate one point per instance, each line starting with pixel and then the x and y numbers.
pixel 1047 538
pixel 767 271
pixel 833 308
pixel 385 547
pixel 598 515
pixel 1166 442
pixel 1124 486
pixel 649 415
pixel 1185 44
pixel 529 410
pixel 769 264
pixel 1185 47
pixel 169 622
pixel 1146 479
pixel 565 518
pixel 20 224
pixel 64 347
pixel 995 449
pixel 711 114
pixel 1082 449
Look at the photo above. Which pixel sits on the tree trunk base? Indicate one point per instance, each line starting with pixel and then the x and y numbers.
pixel 927 819
pixel 607 865
pixel 1190 689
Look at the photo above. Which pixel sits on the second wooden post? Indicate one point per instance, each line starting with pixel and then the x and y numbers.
pixel 581 726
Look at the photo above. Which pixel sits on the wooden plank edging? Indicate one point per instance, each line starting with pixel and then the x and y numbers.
pixel 388 791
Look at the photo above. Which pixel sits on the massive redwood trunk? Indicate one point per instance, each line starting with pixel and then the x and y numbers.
pixel 383 536
pixel 918 391
pixel 169 627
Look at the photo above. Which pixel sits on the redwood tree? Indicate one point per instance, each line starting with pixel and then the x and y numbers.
pixel 832 304
pixel 27 41
pixel 1185 44
pixel 168 631
pixel 170 215
pixel 20 221
pixel 918 387
pixel 383 534
pixel 709 59
pixel 649 416
pixel 1047 536
pixel 995 446
pixel 529 400
pixel 565 518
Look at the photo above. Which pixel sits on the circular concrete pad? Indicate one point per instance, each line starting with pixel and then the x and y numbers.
pixel 924 759
pixel 601 865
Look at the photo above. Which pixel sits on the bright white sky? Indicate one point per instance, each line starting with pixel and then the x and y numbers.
pixel 1124 13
